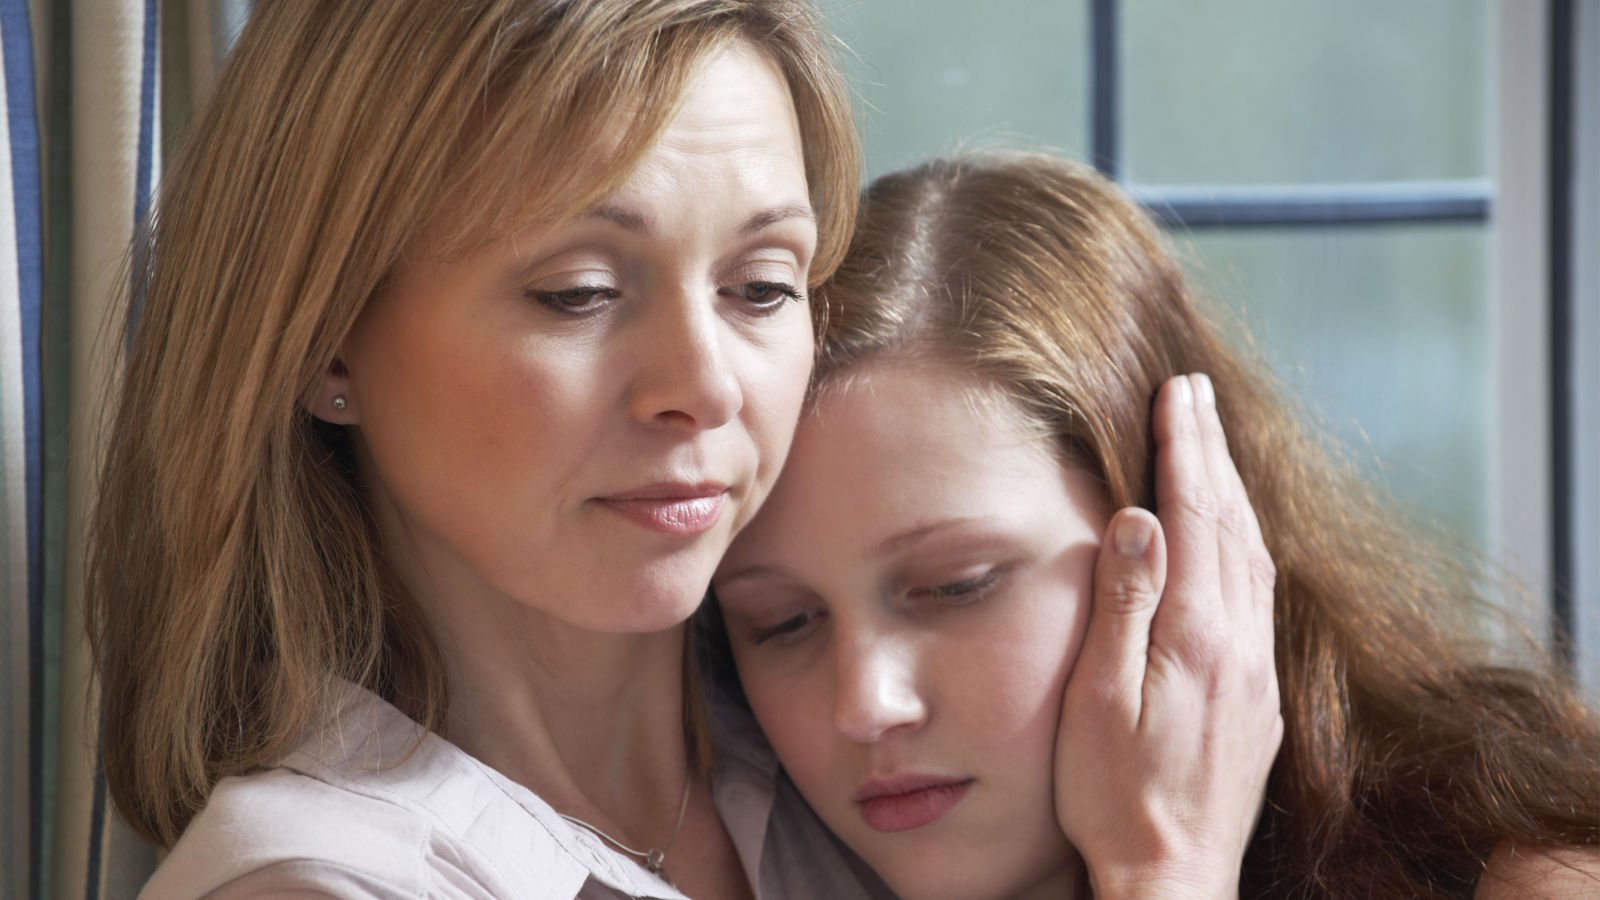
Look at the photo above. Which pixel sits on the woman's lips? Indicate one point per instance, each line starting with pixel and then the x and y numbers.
pixel 902 804
pixel 672 509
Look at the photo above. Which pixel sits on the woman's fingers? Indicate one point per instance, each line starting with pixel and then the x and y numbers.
pixel 1247 580
pixel 1237 529
pixel 1248 574
pixel 1224 473
pixel 1187 505
pixel 1171 718
pixel 1128 579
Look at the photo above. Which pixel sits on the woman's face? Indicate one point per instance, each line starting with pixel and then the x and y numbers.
pixel 579 418
pixel 904 612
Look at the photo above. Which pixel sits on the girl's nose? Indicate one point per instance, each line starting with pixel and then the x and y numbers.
pixel 877 692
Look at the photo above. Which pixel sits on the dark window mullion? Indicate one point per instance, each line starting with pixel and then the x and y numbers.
pixel 1202 206
pixel 1560 189
pixel 1105 57
pixel 1210 206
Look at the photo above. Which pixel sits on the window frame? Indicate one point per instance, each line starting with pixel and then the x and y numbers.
pixel 1582 362
pixel 1542 204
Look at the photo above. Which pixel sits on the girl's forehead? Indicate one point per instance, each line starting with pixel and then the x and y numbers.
pixel 916 386
pixel 944 418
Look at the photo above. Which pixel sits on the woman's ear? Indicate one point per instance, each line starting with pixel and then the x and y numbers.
pixel 332 400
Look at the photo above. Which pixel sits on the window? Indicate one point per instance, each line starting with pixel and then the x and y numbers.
pixel 1355 179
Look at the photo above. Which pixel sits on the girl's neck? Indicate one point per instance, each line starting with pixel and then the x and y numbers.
pixel 1070 882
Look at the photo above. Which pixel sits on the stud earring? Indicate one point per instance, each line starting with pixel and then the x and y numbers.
pixel 339 402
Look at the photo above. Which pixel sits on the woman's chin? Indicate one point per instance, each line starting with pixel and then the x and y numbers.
pixel 619 594
pixel 652 604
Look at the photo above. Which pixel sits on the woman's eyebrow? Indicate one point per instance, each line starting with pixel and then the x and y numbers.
pixel 638 223
pixel 773 215
pixel 623 218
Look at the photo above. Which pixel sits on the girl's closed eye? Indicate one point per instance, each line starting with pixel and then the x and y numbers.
pixel 962 591
pixel 789 630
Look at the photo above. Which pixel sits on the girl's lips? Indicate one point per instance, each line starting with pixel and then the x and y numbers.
pixel 904 804
pixel 676 515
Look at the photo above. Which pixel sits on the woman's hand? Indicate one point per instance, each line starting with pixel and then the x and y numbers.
pixel 1171 719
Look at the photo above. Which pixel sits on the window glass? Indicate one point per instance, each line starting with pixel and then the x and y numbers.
pixel 1384 330
pixel 1239 91
pixel 1385 333
pixel 933 77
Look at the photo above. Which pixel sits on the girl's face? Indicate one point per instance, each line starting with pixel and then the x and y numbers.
pixel 580 418
pixel 903 614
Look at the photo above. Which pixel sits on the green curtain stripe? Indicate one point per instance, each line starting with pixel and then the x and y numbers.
pixel 57 406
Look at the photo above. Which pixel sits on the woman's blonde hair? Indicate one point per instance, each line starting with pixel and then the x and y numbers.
pixel 1407 756
pixel 233 569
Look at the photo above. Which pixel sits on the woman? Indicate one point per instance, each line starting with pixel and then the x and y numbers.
pixel 470 332
pixel 995 335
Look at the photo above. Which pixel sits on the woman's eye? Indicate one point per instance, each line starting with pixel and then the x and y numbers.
pixel 787 631
pixel 574 300
pixel 958 592
pixel 766 296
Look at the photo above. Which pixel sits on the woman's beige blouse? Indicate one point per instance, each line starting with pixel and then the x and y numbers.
pixel 349 813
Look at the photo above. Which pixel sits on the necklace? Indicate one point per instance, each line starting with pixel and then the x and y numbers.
pixel 654 858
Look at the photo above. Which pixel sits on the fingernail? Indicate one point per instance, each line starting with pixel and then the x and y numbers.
pixel 1185 393
pixel 1131 536
pixel 1203 387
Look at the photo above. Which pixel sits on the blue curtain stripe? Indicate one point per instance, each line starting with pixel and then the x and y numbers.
pixel 145 173
pixel 22 132
pixel 147 115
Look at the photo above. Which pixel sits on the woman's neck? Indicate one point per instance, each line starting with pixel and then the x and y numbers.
pixel 592 722
pixel 589 696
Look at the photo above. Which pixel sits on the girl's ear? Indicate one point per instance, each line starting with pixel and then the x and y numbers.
pixel 332 400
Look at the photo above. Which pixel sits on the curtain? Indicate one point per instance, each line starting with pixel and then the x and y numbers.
pixel 93 89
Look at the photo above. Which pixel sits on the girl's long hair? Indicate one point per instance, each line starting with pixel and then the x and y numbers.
pixel 233 569
pixel 1408 757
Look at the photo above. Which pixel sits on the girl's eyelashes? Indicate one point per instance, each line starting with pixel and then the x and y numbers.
pixel 967 590
pixel 574 301
pixel 797 627
pixel 765 296
pixel 788 630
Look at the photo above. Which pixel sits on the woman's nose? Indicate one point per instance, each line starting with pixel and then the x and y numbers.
pixel 877 692
pixel 686 373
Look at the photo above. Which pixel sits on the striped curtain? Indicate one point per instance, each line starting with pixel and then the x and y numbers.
pixel 92 90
